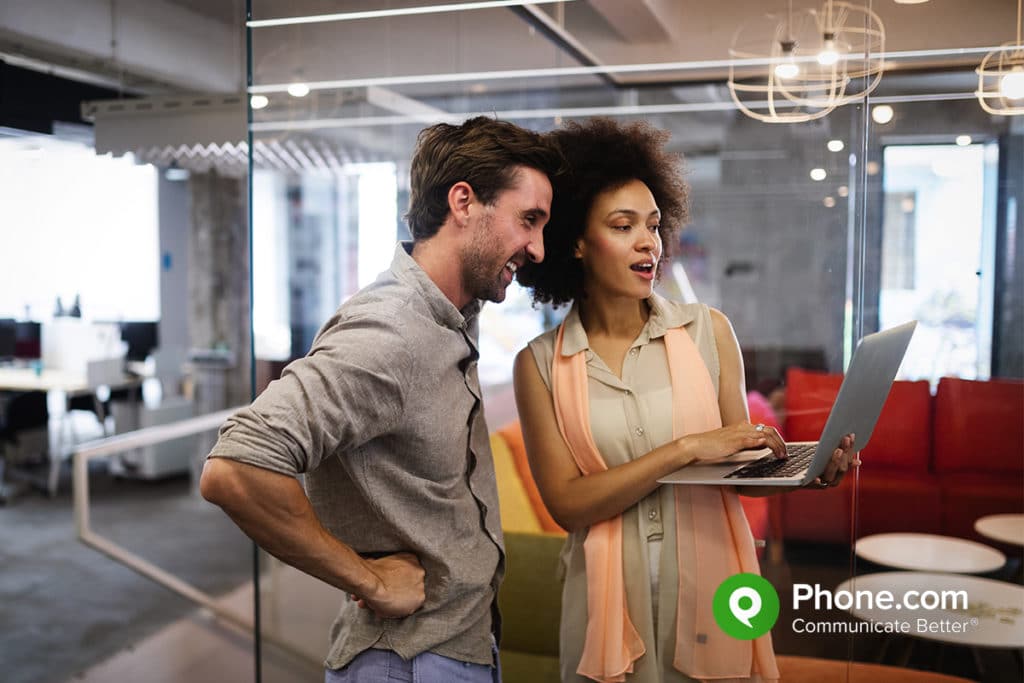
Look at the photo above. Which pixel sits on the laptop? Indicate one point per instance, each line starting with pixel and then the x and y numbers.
pixel 856 410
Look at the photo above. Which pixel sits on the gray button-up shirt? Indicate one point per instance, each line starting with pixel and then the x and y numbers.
pixel 384 419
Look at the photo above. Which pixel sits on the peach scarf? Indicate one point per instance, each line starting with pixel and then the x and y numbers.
pixel 721 541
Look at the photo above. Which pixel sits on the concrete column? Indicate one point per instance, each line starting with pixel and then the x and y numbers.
pixel 218 283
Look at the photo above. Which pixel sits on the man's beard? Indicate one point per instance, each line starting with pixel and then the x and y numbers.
pixel 483 265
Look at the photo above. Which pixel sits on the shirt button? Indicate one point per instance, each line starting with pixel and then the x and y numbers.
pixel 633 351
pixel 639 431
pixel 652 515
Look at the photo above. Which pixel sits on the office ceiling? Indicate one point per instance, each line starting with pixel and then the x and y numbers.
pixel 180 47
pixel 175 46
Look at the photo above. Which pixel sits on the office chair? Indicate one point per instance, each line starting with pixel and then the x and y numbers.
pixel 22 414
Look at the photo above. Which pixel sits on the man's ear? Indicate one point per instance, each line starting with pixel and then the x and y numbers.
pixel 460 198
pixel 577 251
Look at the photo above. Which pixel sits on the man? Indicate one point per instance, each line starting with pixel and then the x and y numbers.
pixel 383 416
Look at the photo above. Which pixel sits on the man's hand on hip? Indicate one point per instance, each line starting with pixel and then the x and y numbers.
pixel 400 589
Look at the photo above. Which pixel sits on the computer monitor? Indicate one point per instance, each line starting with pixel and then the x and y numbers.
pixel 28 340
pixel 142 338
pixel 7 338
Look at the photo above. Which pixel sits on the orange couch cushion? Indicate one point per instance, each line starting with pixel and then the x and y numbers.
pixel 513 436
pixel 979 426
pixel 517 513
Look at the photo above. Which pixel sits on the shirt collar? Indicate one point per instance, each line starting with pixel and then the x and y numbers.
pixel 664 316
pixel 406 270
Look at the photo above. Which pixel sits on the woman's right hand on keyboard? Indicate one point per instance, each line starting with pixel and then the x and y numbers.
pixel 726 441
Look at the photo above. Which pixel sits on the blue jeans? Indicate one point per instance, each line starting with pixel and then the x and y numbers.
pixel 384 666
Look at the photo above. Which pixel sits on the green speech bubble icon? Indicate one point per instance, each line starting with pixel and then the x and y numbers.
pixel 745 606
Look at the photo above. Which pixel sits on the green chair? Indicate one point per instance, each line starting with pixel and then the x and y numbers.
pixel 531 607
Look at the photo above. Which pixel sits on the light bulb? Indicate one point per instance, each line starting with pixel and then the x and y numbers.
pixel 835 145
pixel 298 89
pixel 258 101
pixel 787 68
pixel 828 55
pixel 883 113
pixel 1011 86
pixel 818 174
pixel 963 140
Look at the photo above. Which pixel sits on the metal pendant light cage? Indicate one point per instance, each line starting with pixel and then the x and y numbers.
pixel 779 73
pixel 1001 77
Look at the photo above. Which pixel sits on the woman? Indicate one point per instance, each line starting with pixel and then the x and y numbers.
pixel 628 389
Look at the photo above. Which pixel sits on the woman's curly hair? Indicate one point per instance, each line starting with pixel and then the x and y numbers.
pixel 601 155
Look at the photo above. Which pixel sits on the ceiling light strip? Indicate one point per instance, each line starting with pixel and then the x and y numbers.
pixel 397 12
pixel 579 71
pixel 551 113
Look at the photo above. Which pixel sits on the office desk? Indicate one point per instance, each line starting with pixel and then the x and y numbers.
pixel 27 379
pixel 71 385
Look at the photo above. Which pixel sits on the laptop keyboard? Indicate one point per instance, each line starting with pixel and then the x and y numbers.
pixel 771 467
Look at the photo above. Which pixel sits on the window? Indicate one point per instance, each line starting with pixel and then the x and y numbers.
pixel 77 224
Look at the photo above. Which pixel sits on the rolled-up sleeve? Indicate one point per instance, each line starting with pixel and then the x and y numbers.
pixel 348 390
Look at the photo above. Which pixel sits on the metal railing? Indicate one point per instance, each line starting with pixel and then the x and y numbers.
pixel 149 436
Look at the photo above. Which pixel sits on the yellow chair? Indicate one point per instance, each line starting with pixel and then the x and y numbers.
pixel 531 594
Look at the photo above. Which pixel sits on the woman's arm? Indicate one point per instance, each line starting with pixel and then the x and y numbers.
pixel 576 501
pixel 732 394
pixel 732 402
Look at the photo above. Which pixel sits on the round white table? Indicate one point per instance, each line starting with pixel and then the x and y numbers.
pixel 1008 528
pixel 993 617
pixel 929 553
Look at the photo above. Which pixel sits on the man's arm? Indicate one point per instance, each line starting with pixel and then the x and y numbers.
pixel 274 511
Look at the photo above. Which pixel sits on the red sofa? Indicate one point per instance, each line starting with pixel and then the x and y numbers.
pixel 935 464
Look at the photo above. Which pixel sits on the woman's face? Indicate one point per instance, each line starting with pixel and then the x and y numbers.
pixel 621 246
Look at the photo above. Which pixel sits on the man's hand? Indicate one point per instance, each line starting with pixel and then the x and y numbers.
pixel 400 590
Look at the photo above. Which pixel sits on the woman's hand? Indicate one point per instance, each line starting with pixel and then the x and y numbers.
pixel 726 441
pixel 843 458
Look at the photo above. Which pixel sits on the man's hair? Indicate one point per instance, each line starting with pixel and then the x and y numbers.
pixel 602 155
pixel 483 152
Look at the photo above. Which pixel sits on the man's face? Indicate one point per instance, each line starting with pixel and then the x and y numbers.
pixel 505 235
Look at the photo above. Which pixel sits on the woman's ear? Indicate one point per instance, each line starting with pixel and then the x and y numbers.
pixel 577 251
pixel 460 198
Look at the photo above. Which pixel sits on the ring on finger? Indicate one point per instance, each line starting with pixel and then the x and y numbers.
pixel 759 427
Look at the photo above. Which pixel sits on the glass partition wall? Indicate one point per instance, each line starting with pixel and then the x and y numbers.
pixel 898 206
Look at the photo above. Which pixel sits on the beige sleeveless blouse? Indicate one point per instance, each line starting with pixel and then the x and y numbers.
pixel 629 417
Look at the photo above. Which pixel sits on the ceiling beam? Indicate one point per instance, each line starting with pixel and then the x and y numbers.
pixel 635 21
pixel 155 40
